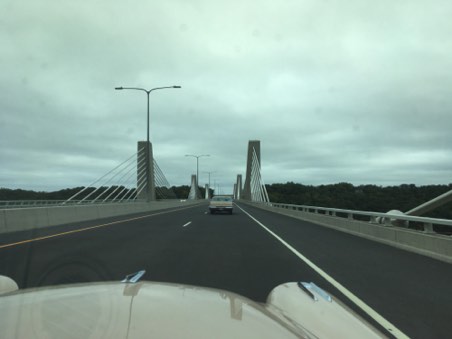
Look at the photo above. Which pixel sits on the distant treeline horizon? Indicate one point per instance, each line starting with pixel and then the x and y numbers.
pixel 180 192
pixel 373 198
pixel 341 195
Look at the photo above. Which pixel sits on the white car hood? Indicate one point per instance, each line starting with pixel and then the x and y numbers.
pixel 155 310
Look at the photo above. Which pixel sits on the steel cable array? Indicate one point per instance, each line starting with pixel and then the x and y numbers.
pixel 257 186
pixel 120 183
pixel 162 187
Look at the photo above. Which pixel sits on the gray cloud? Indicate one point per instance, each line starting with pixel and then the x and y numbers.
pixel 355 91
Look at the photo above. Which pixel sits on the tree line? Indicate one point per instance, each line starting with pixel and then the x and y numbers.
pixel 180 192
pixel 363 197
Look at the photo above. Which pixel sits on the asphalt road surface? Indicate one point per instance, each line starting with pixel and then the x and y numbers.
pixel 238 253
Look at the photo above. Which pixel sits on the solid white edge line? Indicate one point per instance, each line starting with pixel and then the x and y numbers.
pixel 188 223
pixel 358 302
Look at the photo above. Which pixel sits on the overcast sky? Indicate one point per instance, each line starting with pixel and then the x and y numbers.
pixel 336 91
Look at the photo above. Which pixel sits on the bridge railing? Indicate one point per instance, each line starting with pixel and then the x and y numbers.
pixel 5 204
pixel 424 224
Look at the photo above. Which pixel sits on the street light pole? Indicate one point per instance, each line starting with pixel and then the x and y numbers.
pixel 208 194
pixel 197 164
pixel 148 91
pixel 148 158
pixel 209 173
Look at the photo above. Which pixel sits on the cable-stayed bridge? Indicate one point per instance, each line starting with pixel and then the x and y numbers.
pixel 395 277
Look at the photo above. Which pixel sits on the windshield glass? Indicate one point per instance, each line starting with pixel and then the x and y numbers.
pixel 234 145
pixel 221 199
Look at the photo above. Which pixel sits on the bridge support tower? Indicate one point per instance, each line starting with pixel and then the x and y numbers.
pixel 146 181
pixel 194 191
pixel 238 188
pixel 254 146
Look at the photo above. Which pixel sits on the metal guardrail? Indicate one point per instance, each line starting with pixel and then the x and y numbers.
pixel 7 204
pixel 386 219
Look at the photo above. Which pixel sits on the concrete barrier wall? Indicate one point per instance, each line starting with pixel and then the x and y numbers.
pixel 20 219
pixel 2 222
pixel 433 245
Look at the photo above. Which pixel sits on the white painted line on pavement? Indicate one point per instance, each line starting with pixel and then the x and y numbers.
pixel 188 223
pixel 92 227
pixel 361 304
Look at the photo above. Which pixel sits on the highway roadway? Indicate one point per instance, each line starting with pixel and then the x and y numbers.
pixel 249 252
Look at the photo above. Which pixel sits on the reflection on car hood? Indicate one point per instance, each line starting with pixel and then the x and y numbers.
pixel 143 310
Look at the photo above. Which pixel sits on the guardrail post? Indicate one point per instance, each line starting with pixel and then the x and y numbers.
pixel 428 228
pixel 350 216
pixel 387 221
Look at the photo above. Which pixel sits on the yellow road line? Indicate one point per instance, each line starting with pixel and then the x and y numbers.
pixel 89 228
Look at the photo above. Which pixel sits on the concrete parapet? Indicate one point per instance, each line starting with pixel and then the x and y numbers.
pixel 432 245
pixel 2 221
pixel 28 220
pixel 21 219
pixel 56 216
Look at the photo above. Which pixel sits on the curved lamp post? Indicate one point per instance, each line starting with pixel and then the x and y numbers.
pixel 209 173
pixel 148 160
pixel 197 164
pixel 147 91
pixel 208 193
